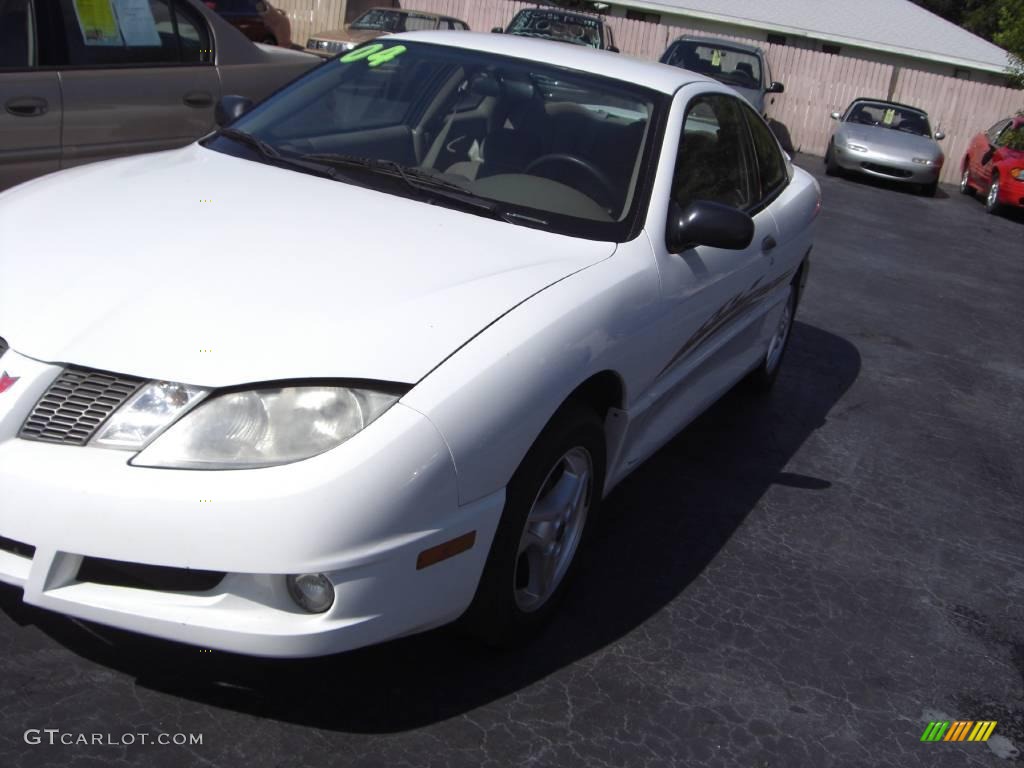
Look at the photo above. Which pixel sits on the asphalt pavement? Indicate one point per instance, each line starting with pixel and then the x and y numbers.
pixel 806 579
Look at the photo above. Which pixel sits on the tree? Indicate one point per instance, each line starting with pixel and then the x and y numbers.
pixel 1011 37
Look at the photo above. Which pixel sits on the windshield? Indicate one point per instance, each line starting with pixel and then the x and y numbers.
pixel 889 116
pixel 383 20
pixel 549 147
pixel 741 69
pixel 553 25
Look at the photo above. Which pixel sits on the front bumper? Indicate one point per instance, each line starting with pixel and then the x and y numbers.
pixel 360 514
pixel 1011 192
pixel 883 165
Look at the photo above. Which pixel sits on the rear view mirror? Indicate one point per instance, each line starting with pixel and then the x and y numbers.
pixel 705 223
pixel 776 87
pixel 230 108
pixel 497 30
pixel 836 116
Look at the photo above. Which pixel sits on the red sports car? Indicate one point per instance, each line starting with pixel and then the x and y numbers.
pixel 994 164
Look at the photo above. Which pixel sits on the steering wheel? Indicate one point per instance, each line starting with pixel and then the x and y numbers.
pixel 579 163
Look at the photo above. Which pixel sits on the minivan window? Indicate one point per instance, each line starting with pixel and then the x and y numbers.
pixel 15 34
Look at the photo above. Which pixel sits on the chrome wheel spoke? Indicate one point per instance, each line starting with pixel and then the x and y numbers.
pixel 553 529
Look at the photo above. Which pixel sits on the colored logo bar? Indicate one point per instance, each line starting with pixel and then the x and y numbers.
pixel 959 730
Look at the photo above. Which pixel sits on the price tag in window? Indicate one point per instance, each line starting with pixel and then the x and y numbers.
pixel 716 58
pixel 97 22
pixel 889 116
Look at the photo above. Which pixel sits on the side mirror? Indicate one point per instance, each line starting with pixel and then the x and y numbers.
pixel 776 87
pixel 836 116
pixel 230 108
pixel 705 223
pixel 614 49
pixel 939 135
pixel 497 30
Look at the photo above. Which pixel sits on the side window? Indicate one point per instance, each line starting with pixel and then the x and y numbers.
pixel 133 33
pixel 714 161
pixel 414 22
pixel 771 164
pixel 1011 137
pixel 16 38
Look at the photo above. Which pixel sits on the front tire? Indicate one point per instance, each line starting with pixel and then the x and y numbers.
pixel 762 378
pixel 554 492
pixel 831 165
pixel 992 204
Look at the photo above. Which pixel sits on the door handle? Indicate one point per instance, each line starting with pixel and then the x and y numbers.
pixel 198 99
pixel 27 106
pixel 768 244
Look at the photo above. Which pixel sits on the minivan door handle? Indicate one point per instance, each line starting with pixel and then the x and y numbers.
pixel 27 106
pixel 198 99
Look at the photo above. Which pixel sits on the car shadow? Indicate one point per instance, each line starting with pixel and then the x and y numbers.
pixel 892 186
pixel 659 530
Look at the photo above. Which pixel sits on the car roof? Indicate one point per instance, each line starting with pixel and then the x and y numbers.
pixel 658 77
pixel 886 101
pixel 725 43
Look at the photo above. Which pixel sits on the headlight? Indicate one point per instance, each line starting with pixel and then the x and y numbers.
pixel 1017 173
pixel 857 147
pixel 265 427
pixel 924 161
pixel 149 410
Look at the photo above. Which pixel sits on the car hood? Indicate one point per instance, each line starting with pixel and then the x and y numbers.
pixel 195 266
pixel 348 35
pixel 890 141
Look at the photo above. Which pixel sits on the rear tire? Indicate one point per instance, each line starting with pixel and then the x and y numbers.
pixel 992 204
pixel 552 495
pixel 965 183
pixel 831 166
pixel 762 378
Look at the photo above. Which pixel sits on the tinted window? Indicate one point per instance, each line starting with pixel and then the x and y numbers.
pixel 771 164
pixel 560 150
pixel 132 33
pixel 15 45
pixel 714 161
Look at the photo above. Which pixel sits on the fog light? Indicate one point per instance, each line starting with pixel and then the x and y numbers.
pixel 312 592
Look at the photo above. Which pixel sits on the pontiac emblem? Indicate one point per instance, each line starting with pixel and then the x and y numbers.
pixel 6 382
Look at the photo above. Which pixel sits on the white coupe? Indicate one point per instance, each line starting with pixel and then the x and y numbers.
pixel 366 360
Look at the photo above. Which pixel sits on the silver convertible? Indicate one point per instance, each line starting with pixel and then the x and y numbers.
pixel 888 141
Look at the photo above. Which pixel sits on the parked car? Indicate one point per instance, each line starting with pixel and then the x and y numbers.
pixel 79 89
pixel 886 140
pixel 994 165
pixel 375 23
pixel 563 26
pixel 256 19
pixel 203 440
pixel 743 67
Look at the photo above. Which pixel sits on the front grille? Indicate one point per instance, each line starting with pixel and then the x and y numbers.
pixel 888 170
pixel 4 346
pixel 17 548
pixel 161 578
pixel 76 404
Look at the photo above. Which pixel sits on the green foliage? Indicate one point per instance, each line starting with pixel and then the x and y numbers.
pixel 1011 37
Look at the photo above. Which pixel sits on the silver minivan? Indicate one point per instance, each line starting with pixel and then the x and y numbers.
pixel 81 82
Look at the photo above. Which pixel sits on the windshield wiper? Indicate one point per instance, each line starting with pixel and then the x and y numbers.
pixel 270 152
pixel 418 180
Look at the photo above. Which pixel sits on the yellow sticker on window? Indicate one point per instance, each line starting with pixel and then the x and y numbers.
pixel 889 116
pixel 97 22
pixel 716 58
